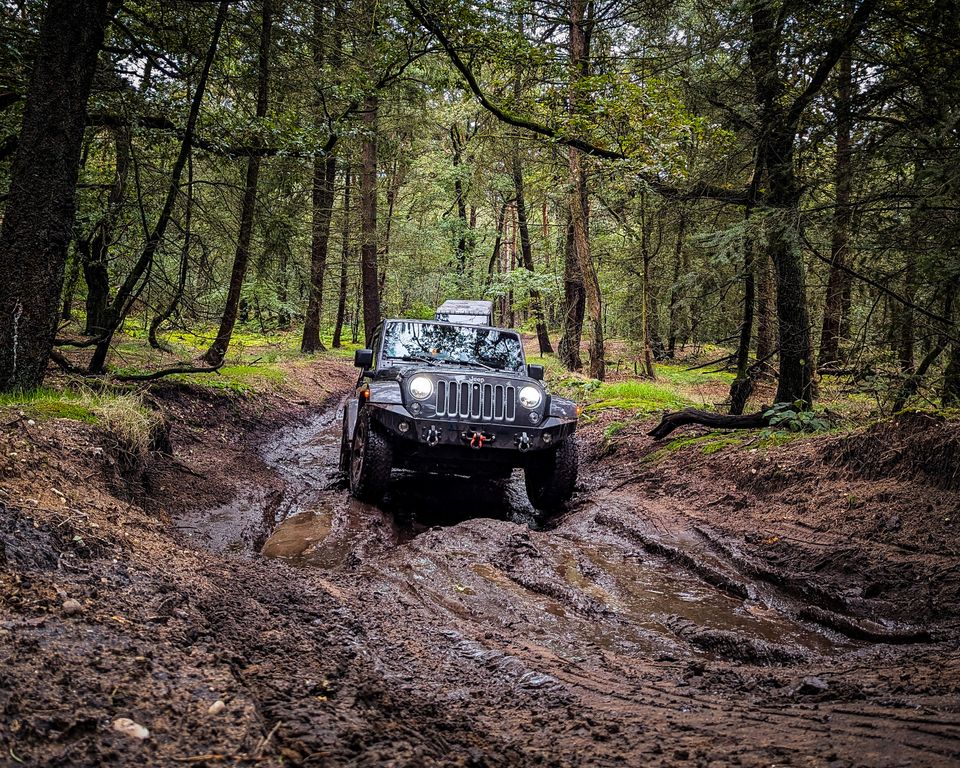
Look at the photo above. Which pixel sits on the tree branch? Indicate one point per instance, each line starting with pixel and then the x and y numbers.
pixel 672 421
pixel 835 50
pixel 169 372
pixel 700 190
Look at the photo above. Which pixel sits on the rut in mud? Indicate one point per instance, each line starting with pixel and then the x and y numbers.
pixel 625 627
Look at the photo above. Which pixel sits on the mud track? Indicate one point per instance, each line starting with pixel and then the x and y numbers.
pixel 624 632
pixel 746 608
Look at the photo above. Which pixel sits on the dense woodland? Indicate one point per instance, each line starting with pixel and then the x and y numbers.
pixel 776 177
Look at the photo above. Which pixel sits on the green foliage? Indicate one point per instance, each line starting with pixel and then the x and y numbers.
pixel 786 418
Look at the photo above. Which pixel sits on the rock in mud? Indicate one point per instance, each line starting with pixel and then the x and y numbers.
pixel 811 686
pixel 71 607
pixel 216 708
pixel 128 727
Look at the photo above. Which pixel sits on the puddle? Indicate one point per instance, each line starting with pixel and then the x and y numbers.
pixel 239 525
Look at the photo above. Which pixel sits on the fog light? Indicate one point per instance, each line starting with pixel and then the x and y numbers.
pixel 547 437
pixel 403 427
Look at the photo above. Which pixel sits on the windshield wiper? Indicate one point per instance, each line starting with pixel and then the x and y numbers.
pixel 416 359
pixel 472 363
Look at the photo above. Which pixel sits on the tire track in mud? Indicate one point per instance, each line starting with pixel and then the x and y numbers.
pixel 618 632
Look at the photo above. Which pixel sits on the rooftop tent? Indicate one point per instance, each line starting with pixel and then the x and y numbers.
pixel 466 312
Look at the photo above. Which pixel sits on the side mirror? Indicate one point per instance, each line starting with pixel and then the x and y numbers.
pixel 363 358
pixel 535 372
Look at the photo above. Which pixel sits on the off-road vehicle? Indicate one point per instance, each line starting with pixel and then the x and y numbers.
pixel 455 396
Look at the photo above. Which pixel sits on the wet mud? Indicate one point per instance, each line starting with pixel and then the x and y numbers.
pixel 749 609
pixel 620 623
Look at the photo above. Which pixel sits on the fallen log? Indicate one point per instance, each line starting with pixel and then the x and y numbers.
pixel 677 419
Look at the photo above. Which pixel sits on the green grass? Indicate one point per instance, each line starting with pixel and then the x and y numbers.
pixel 120 412
pixel 240 379
pixel 680 375
pixel 636 395
pixel 47 403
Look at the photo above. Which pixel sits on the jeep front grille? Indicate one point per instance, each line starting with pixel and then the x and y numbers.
pixel 468 400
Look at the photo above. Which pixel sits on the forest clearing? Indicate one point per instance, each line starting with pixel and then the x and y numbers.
pixel 684 492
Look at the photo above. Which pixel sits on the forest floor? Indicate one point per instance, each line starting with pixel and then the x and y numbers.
pixel 711 601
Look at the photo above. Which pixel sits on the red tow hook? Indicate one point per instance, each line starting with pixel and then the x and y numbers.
pixel 477 439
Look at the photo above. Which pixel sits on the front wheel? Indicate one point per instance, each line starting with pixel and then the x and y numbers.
pixel 551 478
pixel 371 458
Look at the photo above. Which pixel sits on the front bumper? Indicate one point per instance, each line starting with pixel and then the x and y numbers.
pixel 495 440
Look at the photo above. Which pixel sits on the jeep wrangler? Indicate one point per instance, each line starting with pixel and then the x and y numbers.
pixel 456 398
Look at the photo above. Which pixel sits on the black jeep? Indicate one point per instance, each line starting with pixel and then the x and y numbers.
pixel 456 398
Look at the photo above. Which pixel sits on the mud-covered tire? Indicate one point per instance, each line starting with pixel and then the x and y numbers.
pixel 550 479
pixel 371 459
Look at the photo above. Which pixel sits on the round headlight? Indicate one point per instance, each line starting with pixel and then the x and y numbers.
pixel 421 387
pixel 530 397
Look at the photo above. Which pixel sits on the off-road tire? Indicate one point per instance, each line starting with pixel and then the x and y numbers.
pixel 371 458
pixel 551 478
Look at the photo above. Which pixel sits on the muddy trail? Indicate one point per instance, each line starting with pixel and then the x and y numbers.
pixel 669 617
pixel 615 631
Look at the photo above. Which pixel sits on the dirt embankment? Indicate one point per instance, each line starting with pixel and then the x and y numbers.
pixel 784 606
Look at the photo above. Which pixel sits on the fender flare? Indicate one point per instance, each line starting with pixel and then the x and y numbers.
pixel 350 413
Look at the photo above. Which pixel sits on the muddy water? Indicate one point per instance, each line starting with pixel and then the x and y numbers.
pixel 471 555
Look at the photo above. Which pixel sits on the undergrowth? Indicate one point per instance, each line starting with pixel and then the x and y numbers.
pixel 121 414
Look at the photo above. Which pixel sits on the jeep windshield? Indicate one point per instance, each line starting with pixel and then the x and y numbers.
pixel 490 348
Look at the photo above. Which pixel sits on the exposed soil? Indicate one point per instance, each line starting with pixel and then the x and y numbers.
pixel 789 606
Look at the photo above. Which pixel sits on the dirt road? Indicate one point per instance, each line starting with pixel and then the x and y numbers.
pixel 688 611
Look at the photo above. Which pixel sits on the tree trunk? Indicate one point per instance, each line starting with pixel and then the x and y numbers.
pixel 645 292
pixel 526 252
pixel 132 284
pixel 171 307
pixel 568 350
pixel 776 155
pixel 393 187
pixel 460 202
pixel 779 124
pixel 95 249
pixel 766 307
pixel 70 288
pixel 950 395
pixel 368 219
pixel 344 258
pixel 218 349
pixel 678 262
pixel 324 183
pixel 839 279
pixel 39 216
pixel 906 336
pixel 796 364
pixel 672 421
pixel 742 386
pixel 497 243
pixel 579 66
